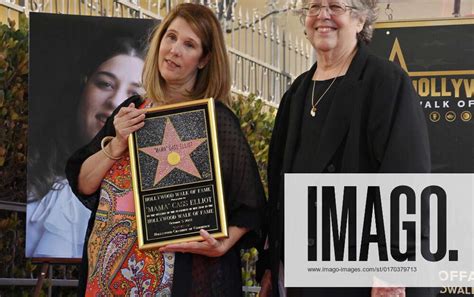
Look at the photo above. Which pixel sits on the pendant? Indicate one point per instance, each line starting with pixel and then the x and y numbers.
pixel 313 111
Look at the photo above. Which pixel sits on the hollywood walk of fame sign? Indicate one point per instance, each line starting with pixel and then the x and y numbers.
pixel 176 175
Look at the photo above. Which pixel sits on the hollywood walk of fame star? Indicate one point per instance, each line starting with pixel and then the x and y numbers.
pixel 173 153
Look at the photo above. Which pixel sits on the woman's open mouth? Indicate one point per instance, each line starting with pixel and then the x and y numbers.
pixel 171 64
pixel 325 29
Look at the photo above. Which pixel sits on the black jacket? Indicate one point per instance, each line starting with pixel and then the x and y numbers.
pixel 375 124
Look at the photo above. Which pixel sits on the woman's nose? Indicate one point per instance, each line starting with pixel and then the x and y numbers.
pixel 116 98
pixel 175 49
pixel 324 13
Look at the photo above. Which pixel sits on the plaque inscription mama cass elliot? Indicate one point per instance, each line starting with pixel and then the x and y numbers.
pixel 176 175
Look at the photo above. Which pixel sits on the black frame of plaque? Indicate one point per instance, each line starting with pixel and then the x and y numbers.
pixel 174 208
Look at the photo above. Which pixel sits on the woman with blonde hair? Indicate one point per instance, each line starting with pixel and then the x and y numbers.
pixel 186 60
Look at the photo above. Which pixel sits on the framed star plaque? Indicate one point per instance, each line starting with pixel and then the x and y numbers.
pixel 176 175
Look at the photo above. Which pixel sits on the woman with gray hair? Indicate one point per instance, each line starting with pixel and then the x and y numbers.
pixel 352 112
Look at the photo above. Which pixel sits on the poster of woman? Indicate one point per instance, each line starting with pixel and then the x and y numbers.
pixel 81 69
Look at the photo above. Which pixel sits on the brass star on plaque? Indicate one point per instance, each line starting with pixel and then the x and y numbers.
pixel 173 153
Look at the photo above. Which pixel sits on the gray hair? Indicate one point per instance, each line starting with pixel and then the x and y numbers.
pixel 367 9
pixel 363 8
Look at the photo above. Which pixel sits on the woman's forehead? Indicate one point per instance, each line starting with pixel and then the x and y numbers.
pixel 122 67
pixel 182 27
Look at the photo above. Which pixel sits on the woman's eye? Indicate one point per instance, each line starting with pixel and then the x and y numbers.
pixel 336 7
pixel 189 44
pixel 171 37
pixel 102 84
pixel 136 91
pixel 314 7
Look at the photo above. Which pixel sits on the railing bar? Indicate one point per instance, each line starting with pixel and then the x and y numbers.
pixel 265 36
pixel 259 38
pixel 232 21
pixel 278 48
pixel 242 79
pixel 12 206
pixel 295 54
pixel 234 70
pixel 252 38
pixel 50 277
pixel 249 76
pixel 272 39
pixel 32 282
pixel 12 6
pixel 239 53
pixel 269 81
pixel 239 22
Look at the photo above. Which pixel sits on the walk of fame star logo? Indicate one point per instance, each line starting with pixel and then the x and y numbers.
pixel 173 153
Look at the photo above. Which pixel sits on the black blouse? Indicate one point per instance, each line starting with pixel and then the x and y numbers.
pixel 197 275
pixel 306 152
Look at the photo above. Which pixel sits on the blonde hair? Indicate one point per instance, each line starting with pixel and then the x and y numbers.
pixel 213 80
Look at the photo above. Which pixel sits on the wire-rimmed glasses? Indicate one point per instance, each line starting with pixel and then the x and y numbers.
pixel 335 8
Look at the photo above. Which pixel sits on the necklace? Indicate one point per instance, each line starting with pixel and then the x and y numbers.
pixel 313 105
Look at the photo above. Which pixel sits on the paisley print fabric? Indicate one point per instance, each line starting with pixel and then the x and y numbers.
pixel 116 266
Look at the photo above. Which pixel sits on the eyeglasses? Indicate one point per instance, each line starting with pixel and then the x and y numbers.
pixel 314 9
